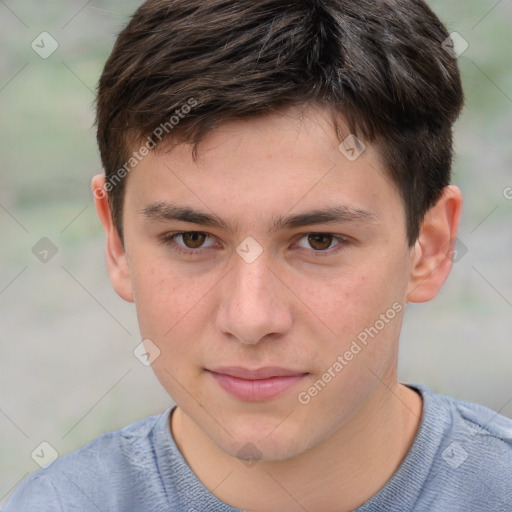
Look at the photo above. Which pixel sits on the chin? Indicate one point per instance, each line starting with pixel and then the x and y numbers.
pixel 262 441
pixel 251 451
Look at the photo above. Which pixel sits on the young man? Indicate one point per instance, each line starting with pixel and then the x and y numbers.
pixel 277 188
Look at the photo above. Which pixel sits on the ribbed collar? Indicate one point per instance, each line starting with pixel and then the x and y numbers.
pixel 186 492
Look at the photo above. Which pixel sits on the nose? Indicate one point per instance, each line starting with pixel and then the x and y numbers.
pixel 253 303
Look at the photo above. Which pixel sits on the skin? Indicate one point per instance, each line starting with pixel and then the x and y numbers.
pixel 292 307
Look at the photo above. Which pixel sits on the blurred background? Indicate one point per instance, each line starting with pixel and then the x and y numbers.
pixel 67 369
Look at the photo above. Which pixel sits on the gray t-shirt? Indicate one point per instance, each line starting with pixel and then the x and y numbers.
pixel 461 460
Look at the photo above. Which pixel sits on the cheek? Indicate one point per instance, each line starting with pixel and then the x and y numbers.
pixel 360 314
pixel 351 300
pixel 158 298
pixel 170 312
pixel 169 304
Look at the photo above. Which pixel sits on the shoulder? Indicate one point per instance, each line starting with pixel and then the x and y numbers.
pixel 89 477
pixel 474 459
pixel 483 429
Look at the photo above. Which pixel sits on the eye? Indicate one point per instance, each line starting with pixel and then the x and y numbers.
pixel 191 241
pixel 322 242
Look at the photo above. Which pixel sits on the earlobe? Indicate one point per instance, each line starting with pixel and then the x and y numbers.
pixel 432 254
pixel 117 262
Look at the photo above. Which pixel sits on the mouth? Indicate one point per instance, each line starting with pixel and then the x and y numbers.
pixel 256 385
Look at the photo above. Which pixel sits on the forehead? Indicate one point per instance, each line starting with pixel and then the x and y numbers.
pixel 286 161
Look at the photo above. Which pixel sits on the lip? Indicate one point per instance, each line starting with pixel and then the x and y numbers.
pixel 256 385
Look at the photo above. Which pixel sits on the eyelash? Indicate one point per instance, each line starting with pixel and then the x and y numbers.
pixel 169 240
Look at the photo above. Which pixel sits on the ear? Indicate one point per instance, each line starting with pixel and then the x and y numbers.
pixel 117 262
pixel 432 255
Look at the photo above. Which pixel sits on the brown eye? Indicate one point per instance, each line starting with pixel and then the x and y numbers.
pixel 193 240
pixel 189 243
pixel 320 241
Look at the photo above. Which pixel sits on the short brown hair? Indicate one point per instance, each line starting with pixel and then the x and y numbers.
pixel 380 64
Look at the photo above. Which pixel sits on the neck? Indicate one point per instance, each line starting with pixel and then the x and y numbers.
pixel 351 465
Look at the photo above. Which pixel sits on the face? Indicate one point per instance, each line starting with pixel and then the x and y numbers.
pixel 272 276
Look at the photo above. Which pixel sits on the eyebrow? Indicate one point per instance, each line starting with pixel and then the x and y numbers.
pixel 163 211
